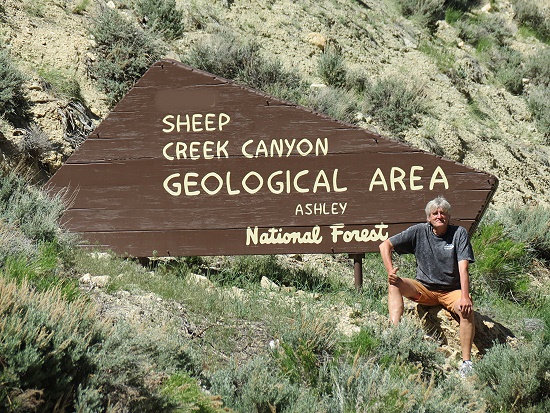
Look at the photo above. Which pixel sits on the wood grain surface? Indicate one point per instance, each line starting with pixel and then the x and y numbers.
pixel 192 164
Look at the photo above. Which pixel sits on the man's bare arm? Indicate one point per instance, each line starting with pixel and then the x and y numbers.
pixel 386 249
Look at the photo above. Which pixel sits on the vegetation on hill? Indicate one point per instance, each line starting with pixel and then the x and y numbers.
pixel 201 334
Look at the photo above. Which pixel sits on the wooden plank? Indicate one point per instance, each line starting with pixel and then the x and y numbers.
pixel 242 159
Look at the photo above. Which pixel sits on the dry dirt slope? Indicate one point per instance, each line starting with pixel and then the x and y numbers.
pixel 375 40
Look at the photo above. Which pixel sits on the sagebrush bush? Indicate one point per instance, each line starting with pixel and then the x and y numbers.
pixel 462 5
pixel 34 212
pixel 130 365
pixel 13 102
pixel 55 352
pixel 366 386
pixel 306 344
pixel 244 270
pixel 537 68
pixel 528 13
pixel 233 58
pixel 13 242
pixel 44 347
pixel 331 67
pixel 337 103
pixel 36 143
pixel 258 386
pixel 501 263
pixel 123 53
pixel 405 343
pixel 539 104
pixel 161 16
pixel 528 225
pixel 484 31
pixel 62 83
pixel 396 104
pixel 516 379
pixel 187 393
pixel 507 65
pixel 427 12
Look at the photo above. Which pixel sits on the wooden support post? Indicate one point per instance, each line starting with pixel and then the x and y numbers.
pixel 358 270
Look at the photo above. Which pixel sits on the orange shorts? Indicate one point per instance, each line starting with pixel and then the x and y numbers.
pixel 446 298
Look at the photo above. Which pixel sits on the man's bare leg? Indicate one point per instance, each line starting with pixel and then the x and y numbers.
pixel 402 288
pixel 466 333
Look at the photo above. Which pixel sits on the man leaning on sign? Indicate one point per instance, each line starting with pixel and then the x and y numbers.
pixel 443 253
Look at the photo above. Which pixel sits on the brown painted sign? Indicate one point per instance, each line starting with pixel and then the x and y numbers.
pixel 191 164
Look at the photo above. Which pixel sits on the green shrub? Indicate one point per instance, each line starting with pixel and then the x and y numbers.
pixel 131 364
pixel 187 393
pixel 529 14
pixel 32 210
pixel 405 343
pixel 36 143
pixel 337 103
pixel 161 16
pixel 539 104
pixel 244 270
pixel 54 352
pixel 306 343
pixel 81 6
pixel 537 68
pixel 516 380
pixel 427 12
pixel 13 103
pixel 331 67
pixel 528 225
pixel 43 269
pixel 366 386
pixel 223 55
pixel 507 64
pixel 123 52
pixel 443 58
pixel 501 263
pixel 258 386
pixel 35 248
pixel 61 83
pixel 462 5
pixel 362 343
pixel 45 347
pixel 396 104
pixel 484 31
pixel 452 16
pixel 227 56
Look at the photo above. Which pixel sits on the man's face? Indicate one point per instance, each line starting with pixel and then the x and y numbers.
pixel 439 220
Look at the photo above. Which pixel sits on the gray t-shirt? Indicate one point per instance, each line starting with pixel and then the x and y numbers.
pixel 436 257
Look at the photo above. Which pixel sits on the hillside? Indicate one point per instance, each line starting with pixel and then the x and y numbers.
pixel 472 118
pixel 90 332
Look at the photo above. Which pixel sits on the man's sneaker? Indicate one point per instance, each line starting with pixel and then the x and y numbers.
pixel 466 369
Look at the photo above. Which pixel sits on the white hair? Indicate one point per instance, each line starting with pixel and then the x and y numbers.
pixel 437 203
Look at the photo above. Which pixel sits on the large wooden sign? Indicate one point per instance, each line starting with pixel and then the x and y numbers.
pixel 191 164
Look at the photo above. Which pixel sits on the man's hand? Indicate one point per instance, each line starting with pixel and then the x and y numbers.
pixel 465 306
pixel 392 276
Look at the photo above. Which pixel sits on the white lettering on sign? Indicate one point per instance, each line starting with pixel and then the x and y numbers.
pixel 364 235
pixel 196 122
pixel 397 178
pixel 438 177
pixel 321 208
pixel 277 182
pixel 193 150
pixel 279 236
pixel 284 147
